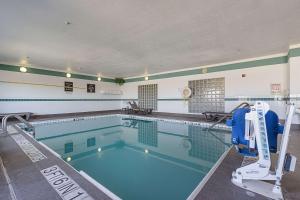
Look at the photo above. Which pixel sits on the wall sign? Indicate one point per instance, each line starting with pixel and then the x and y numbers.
pixel 91 88
pixel 68 86
pixel 276 89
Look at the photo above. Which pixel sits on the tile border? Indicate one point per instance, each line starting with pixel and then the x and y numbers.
pixel 58 121
pixel 164 99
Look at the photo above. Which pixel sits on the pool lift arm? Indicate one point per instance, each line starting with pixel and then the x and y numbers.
pixel 252 176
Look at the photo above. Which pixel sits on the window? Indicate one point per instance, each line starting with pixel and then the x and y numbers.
pixel 147 95
pixel 207 95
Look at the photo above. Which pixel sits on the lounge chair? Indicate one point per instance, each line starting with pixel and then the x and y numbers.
pixel 214 116
pixel 136 109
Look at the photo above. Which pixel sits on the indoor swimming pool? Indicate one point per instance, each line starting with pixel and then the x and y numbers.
pixel 137 158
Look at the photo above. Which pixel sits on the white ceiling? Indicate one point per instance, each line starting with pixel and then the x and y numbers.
pixel 124 38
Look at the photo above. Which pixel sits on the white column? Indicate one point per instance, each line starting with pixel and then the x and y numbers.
pixel 294 77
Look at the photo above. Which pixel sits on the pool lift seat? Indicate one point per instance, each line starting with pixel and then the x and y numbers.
pixel 256 129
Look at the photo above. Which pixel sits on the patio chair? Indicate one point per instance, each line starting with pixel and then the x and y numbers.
pixel 136 109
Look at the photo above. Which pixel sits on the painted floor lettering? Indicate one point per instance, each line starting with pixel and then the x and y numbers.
pixel 66 187
pixel 31 151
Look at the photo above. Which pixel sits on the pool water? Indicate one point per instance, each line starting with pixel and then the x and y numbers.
pixel 137 159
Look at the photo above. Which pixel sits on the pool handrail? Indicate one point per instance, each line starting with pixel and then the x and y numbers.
pixel 242 105
pixel 18 117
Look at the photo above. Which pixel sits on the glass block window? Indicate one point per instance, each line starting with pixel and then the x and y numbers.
pixel 147 95
pixel 207 95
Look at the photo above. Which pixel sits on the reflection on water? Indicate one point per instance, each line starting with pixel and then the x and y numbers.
pixel 147 133
pixel 138 159
pixel 203 145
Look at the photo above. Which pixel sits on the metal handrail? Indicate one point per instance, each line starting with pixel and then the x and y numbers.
pixel 18 117
pixel 243 105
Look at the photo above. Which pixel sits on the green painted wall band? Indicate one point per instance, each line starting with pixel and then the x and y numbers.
pixel 31 70
pixel 49 99
pixel 294 52
pixel 242 65
pixel 34 100
pixel 258 99
pixel 175 99
pixel 234 66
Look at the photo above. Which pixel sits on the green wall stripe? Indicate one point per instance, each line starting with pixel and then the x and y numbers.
pixel 32 70
pixel 170 99
pixel 294 52
pixel 258 99
pixel 242 65
pixel 234 66
pixel 6 100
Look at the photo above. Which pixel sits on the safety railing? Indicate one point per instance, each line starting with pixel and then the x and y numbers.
pixel 242 105
pixel 18 117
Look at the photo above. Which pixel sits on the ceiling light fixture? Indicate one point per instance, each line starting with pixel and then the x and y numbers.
pixel 23 69
pixel 68 75
pixel 146 78
pixel 99 78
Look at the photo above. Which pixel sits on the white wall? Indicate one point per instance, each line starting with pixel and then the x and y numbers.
pixel 257 83
pixel 294 67
pixel 16 85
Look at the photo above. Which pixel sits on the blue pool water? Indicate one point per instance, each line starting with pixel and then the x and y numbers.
pixel 137 159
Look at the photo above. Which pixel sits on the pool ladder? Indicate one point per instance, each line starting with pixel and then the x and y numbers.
pixel 242 105
pixel 18 117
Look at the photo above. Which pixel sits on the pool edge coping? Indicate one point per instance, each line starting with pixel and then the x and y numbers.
pixel 103 189
pixel 106 191
pixel 206 178
pixel 150 118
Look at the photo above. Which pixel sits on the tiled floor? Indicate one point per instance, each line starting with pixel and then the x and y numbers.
pixel 26 178
pixel 28 181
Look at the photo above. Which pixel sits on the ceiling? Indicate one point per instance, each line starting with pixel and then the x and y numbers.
pixel 125 38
